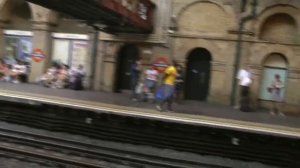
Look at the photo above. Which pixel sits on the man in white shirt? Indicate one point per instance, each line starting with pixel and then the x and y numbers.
pixel 245 80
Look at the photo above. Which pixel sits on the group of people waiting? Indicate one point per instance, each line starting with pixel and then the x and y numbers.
pixel 147 85
pixel 14 73
pixel 58 76
pixel 61 76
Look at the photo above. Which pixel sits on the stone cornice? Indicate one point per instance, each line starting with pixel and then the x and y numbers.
pixel 42 26
pixel 162 39
pixel 227 38
pixel 155 38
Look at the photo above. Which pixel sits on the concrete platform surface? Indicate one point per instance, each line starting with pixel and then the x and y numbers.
pixel 187 111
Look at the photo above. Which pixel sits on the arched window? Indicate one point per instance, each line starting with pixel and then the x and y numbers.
pixel 280 27
pixel 274 65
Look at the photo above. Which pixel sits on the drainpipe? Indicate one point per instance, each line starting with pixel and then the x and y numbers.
pixel 94 57
pixel 237 57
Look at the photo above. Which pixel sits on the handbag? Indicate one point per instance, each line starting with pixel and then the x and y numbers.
pixel 269 89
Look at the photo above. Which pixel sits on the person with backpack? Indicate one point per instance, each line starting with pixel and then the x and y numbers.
pixel 165 93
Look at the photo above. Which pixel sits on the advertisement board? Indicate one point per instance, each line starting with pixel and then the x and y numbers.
pixel 268 77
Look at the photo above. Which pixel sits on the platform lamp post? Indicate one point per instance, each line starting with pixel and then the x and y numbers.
pixel 240 33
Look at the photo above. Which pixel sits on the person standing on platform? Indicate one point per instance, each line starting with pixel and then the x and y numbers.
pixel 76 78
pixel 135 70
pixel 168 88
pixel 275 89
pixel 151 76
pixel 179 83
pixel 245 79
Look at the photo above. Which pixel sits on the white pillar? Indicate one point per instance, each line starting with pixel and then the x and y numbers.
pixel 98 76
pixel 41 40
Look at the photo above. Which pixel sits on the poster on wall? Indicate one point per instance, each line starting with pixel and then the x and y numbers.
pixel 268 78
pixel 25 49
pixel 60 51
pixel 11 50
pixel 79 53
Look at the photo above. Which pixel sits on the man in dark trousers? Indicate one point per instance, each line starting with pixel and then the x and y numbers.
pixel 179 83
pixel 135 70
pixel 245 79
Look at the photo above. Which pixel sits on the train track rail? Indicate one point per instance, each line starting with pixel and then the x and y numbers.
pixel 86 155
pixel 202 140
pixel 30 154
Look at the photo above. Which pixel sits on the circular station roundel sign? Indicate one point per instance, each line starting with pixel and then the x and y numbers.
pixel 38 55
pixel 160 64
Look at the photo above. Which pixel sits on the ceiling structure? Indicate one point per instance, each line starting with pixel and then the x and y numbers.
pixel 106 15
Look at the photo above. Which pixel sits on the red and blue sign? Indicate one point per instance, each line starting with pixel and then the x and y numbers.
pixel 160 64
pixel 38 55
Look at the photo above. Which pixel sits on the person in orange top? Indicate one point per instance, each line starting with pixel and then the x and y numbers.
pixel 169 78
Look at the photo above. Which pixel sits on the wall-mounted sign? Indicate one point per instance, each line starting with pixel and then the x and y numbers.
pixel 70 36
pixel 38 55
pixel 161 63
pixel 18 33
pixel 143 11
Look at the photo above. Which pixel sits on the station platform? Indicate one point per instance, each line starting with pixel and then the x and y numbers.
pixel 191 112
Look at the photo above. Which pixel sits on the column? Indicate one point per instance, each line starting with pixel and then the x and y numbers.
pixel 41 40
pixel 2 39
pixel 98 71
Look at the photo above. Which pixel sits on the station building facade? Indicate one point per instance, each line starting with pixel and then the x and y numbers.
pixel 201 35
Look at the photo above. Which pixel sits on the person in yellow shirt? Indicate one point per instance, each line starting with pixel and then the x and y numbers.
pixel 168 88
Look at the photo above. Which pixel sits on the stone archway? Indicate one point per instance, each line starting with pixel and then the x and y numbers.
pixel 193 18
pixel 266 17
pixel 279 27
pixel 275 64
pixel 198 74
pixel 17 13
pixel 126 56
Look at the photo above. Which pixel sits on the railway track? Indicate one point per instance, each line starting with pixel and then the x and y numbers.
pixel 202 140
pixel 35 155
pixel 84 155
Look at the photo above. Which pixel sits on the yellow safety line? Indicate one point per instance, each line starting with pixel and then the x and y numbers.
pixel 188 119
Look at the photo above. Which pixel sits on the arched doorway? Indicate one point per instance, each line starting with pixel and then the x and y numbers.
pixel 274 64
pixel 18 35
pixel 126 56
pixel 198 74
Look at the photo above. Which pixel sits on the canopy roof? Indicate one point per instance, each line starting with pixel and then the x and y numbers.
pixel 110 14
